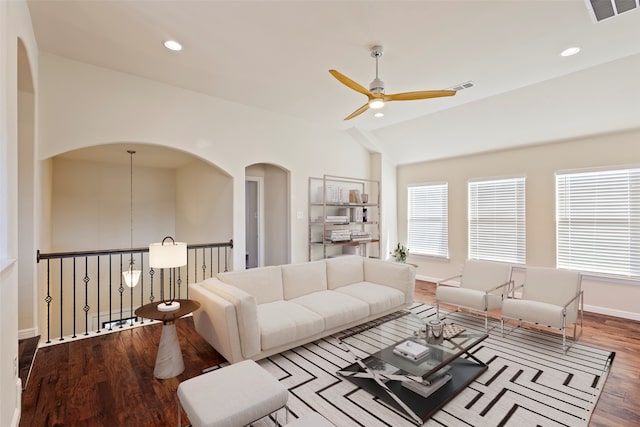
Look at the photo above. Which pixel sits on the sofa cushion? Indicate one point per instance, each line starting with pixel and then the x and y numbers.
pixel 397 275
pixel 336 308
pixel 264 283
pixel 379 297
pixel 344 270
pixel 304 278
pixel 282 322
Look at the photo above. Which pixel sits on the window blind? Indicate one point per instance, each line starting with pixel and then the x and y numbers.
pixel 497 220
pixel 598 221
pixel 428 220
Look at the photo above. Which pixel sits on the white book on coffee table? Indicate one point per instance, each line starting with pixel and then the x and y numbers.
pixel 411 350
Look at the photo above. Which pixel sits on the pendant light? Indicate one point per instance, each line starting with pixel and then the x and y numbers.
pixel 131 276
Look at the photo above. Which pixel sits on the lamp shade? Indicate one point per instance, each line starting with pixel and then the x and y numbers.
pixel 167 255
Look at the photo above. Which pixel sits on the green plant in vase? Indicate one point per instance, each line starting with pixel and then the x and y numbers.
pixel 400 253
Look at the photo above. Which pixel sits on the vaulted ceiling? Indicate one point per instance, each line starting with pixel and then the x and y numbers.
pixel 275 55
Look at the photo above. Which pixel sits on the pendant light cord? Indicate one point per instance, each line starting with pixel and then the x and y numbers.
pixel 131 153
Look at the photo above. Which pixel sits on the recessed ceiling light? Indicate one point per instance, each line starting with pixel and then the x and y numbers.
pixel 379 114
pixel 172 45
pixel 570 51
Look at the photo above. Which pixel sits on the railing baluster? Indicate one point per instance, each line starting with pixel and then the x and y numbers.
pixel 110 293
pixel 74 298
pixel 48 301
pixel 98 301
pixel 86 307
pixel 61 304
pixel 120 291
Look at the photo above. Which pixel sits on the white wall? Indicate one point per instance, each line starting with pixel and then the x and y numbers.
pixel 538 164
pixel 91 205
pixel 204 204
pixel 102 105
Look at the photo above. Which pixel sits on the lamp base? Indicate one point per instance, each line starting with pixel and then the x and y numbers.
pixel 169 306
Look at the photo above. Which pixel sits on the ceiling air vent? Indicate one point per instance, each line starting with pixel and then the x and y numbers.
pixel 461 86
pixel 604 9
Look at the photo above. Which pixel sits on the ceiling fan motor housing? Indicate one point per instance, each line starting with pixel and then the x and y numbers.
pixel 377 86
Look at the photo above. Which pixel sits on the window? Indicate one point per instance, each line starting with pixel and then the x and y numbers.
pixel 497 220
pixel 428 222
pixel 598 221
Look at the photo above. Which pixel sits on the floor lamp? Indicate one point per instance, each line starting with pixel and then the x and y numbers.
pixel 168 254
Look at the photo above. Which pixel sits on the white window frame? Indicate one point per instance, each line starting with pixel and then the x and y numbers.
pixel 598 221
pixel 497 219
pixel 428 219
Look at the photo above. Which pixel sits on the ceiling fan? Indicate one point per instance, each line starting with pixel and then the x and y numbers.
pixel 375 93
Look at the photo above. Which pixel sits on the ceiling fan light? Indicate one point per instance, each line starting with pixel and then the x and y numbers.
pixel 570 51
pixel 376 103
pixel 172 45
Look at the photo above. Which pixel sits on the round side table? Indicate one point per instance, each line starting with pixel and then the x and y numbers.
pixel 169 361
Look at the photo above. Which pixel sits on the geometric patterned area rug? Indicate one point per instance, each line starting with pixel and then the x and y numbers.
pixel 529 380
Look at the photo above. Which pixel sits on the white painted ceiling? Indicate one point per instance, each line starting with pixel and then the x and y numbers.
pixel 275 55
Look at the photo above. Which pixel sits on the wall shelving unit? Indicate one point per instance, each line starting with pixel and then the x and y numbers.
pixel 341 222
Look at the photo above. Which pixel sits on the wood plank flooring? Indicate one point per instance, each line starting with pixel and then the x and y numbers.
pixel 108 381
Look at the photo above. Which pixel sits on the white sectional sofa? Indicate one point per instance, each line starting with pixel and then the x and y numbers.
pixel 252 314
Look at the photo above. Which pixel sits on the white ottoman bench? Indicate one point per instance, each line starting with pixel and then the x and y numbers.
pixel 233 396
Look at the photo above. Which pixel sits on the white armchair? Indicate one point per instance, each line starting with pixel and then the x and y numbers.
pixel 483 285
pixel 550 297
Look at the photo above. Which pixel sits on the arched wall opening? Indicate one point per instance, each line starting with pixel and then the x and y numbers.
pixel 27 273
pixel 174 194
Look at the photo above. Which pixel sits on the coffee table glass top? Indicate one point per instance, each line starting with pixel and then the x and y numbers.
pixel 380 342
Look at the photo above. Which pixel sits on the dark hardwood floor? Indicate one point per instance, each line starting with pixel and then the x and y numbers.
pixel 108 380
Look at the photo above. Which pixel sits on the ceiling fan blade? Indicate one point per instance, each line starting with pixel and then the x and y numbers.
pixel 424 94
pixel 349 83
pixel 359 111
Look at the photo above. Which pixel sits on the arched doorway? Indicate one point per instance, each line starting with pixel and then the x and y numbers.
pixel 267 219
pixel 27 282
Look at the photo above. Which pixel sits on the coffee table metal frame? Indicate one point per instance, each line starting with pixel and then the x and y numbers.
pixel 464 367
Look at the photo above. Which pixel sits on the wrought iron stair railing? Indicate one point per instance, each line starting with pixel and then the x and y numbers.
pixel 85 293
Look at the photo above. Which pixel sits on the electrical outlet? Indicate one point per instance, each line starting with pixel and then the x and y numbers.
pixel 300 215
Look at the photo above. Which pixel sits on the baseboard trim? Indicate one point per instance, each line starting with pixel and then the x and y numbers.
pixel 28 333
pixel 611 312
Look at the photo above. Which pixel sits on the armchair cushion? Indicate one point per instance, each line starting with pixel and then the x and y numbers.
pixel 551 285
pixel 537 312
pixel 470 298
pixel 485 275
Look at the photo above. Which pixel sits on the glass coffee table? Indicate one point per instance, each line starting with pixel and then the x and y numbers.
pixel 417 387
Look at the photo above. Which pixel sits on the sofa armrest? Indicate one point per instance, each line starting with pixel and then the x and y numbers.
pixel 246 313
pixel 393 274
pixel 216 321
